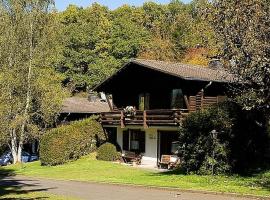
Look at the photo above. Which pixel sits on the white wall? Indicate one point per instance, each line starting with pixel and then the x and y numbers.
pixel 120 137
pixel 151 134
pixel 150 156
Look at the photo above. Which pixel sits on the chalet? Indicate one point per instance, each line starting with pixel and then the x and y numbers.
pixel 151 98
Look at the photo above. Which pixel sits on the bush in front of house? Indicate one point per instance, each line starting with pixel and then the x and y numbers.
pixel 240 144
pixel 70 142
pixel 107 152
pixel 204 139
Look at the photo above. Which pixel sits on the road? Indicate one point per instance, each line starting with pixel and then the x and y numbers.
pixel 97 191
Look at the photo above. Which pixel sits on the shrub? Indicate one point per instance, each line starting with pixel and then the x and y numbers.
pixel 203 150
pixel 241 144
pixel 107 152
pixel 70 142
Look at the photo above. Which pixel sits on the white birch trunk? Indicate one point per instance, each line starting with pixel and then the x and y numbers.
pixel 14 151
pixel 28 95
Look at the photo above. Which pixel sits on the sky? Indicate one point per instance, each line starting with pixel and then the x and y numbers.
pixel 112 4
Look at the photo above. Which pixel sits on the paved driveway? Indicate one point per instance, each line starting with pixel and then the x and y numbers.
pixel 95 191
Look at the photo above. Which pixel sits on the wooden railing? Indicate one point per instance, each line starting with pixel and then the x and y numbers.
pixel 145 118
pixel 166 117
pixel 198 102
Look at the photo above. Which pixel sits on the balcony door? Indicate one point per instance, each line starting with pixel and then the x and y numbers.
pixel 177 99
pixel 144 101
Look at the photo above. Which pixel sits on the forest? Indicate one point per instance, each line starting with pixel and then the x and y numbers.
pixel 97 41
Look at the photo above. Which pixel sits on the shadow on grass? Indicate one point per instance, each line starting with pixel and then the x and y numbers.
pixel 18 188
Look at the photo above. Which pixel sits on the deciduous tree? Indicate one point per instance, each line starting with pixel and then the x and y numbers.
pixel 31 93
pixel 243 29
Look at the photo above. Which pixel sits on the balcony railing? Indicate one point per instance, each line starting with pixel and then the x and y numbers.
pixel 145 118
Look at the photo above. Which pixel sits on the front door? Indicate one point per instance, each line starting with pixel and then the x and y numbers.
pixel 166 139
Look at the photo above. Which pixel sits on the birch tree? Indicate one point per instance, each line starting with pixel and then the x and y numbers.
pixel 31 92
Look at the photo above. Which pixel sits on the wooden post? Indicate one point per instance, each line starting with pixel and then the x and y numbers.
pixel 145 119
pixel 176 117
pixel 122 120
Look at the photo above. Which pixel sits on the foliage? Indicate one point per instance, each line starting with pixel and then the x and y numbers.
pixel 250 143
pixel 89 169
pixel 204 139
pixel 31 92
pixel 196 56
pixel 243 31
pixel 107 152
pixel 241 144
pixel 97 41
pixel 70 142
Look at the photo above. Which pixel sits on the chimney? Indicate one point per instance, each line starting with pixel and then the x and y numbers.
pixel 92 97
pixel 215 64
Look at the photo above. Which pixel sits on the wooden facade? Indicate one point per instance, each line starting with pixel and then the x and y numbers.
pixel 161 95
pixel 137 84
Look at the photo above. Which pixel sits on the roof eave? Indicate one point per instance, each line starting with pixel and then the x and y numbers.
pixel 96 88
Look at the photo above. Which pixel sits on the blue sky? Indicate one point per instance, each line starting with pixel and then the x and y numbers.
pixel 62 4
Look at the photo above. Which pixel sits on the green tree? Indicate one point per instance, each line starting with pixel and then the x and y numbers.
pixel 243 31
pixel 85 35
pixel 97 41
pixel 31 93
pixel 205 141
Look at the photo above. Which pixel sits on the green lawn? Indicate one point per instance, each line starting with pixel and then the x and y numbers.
pixel 16 193
pixel 89 169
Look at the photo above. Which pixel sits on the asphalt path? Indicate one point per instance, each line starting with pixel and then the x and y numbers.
pixel 98 191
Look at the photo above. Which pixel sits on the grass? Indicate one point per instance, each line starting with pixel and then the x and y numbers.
pixel 14 193
pixel 89 169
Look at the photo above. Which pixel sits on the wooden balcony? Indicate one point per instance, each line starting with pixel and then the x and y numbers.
pixel 166 117
pixel 145 118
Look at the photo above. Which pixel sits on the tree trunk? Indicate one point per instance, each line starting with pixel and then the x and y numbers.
pixel 28 95
pixel 14 149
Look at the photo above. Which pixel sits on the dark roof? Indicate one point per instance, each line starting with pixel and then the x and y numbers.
pixel 84 106
pixel 180 70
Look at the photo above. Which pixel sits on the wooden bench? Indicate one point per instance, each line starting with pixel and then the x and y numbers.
pixel 169 161
pixel 131 157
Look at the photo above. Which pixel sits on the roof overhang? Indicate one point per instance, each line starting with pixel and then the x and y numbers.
pixel 134 61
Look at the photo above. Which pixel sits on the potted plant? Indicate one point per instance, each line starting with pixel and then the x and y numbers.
pixel 129 112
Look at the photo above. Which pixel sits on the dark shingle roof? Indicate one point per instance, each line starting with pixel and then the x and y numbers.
pixel 187 71
pixel 180 70
pixel 83 105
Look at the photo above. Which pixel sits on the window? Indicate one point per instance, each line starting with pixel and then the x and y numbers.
pixel 144 100
pixel 134 140
pixel 177 99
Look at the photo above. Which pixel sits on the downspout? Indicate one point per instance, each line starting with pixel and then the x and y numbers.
pixel 202 93
pixel 208 85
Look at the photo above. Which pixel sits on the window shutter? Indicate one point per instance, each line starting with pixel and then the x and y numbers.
pixel 142 142
pixel 126 140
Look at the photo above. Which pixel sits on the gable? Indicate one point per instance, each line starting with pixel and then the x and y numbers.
pixel 135 69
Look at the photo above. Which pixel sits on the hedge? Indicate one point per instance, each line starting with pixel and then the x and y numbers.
pixel 70 142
